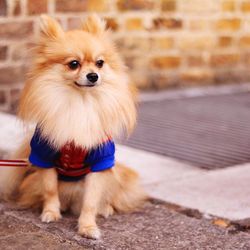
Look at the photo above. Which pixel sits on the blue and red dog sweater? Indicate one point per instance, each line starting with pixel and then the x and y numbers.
pixel 71 162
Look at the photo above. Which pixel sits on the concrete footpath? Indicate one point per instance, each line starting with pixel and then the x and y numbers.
pixel 194 209
pixel 220 192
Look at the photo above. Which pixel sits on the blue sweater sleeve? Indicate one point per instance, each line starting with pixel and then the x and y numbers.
pixel 102 157
pixel 42 154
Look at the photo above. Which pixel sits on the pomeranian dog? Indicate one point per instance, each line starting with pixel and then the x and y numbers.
pixel 79 96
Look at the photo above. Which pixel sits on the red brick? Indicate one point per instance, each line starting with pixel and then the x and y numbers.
pixel 76 22
pixel 222 60
pixel 196 60
pixel 163 81
pixel 3 52
pixel 198 6
pixel 37 7
pixel 134 24
pixel 82 5
pixel 124 5
pixel 245 41
pixel 71 5
pixel 168 5
pixel 198 24
pixel 3 8
pixel 112 23
pixel 16 30
pixel 166 62
pixel 228 5
pixel 225 41
pixel 162 43
pixel 11 75
pixel 169 23
pixel 230 24
pixel 245 6
pixel 3 98
pixel 133 43
pixel 246 59
pixel 21 51
pixel 16 8
pixel 231 75
pixel 189 42
pixel 197 76
pixel 14 97
pixel 98 5
pixel 136 62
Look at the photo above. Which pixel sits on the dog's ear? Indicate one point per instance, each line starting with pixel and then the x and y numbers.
pixel 94 24
pixel 50 28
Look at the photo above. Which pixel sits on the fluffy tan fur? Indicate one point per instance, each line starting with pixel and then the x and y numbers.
pixel 87 116
pixel 65 112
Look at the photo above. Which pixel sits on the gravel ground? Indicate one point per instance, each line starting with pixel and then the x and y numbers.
pixel 155 226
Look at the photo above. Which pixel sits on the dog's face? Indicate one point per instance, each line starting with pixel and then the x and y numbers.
pixel 84 62
pixel 78 85
pixel 83 58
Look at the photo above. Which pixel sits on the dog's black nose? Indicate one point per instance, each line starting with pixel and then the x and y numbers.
pixel 92 77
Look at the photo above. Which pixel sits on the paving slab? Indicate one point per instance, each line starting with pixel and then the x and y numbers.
pixel 154 168
pixel 222 192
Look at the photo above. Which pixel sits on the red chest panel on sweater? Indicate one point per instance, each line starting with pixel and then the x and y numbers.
pixel 71 160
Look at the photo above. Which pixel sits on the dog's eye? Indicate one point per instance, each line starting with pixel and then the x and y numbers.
pixel 99 63
pixel 74 64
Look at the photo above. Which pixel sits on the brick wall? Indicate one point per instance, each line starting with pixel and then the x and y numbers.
pixel 166 43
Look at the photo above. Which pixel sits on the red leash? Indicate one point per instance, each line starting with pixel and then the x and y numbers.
pixel 13 163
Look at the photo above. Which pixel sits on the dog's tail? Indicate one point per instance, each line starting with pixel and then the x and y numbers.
pixel 11 177
pixel 130 193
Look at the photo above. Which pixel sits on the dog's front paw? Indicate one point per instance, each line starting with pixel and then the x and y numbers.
pixel 49 216
pixel 90 231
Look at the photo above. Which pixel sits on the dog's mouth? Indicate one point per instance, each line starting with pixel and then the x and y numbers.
pixel 88 85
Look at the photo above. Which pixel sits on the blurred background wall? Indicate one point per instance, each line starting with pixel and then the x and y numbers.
pixel 166 43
